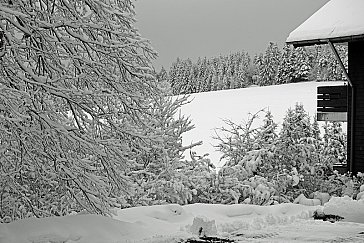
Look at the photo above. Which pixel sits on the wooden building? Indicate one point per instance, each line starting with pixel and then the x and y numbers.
pixel 342 22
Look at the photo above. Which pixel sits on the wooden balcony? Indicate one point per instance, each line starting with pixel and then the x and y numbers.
pixel 332 103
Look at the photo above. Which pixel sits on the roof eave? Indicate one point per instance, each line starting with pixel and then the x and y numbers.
pixel 341 39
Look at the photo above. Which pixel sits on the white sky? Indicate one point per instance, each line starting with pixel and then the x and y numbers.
pixel 198 28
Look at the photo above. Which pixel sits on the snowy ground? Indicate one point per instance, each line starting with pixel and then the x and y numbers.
pixel 208 110
pixel 174 223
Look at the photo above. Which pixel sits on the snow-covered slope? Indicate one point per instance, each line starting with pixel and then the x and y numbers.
pixel 208 110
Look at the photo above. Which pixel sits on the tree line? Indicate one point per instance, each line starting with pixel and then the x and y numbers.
pixel 240 70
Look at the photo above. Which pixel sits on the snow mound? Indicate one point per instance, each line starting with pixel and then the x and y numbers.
pixel 351 210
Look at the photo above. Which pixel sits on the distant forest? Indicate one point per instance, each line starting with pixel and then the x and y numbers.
pixel 240 70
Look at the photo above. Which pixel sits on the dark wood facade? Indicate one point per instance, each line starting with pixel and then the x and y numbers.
pixel 332 98
pixel 356 109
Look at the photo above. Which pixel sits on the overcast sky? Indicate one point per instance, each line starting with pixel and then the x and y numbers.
pixel 199 28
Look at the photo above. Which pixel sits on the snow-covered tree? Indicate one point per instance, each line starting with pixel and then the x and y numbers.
pixel 301 65
pixel 295 136
pixel 284 71
pixel 299 149
pixel 268 65
pixel 335 142
pixel 77 107
pixel 325 65
pixel 159 170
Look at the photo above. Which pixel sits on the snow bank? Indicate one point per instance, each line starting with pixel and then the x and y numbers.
pixel 228 218
pixel 170 223
pixel 351 210
pixel 148 224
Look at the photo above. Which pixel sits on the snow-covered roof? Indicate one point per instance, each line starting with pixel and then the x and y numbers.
pixel 337 21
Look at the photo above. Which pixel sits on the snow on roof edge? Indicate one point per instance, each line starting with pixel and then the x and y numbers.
pixel 337 20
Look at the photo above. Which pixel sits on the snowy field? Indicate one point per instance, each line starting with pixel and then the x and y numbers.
pixel 174 223
pixel 208 110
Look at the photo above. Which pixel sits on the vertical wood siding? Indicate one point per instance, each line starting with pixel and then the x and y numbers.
pixel 356 74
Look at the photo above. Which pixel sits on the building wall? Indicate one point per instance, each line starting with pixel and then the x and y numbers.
pixel 356 74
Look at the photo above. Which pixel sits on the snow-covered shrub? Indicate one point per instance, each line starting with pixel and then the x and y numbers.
pixel 233 185
pixel 295 161
pixel 236 141
pixel 226 187
pixel 343 184
pixel 259 191
pixel 201 178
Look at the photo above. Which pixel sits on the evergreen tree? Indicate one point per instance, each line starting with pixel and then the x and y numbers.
pixel 285 68
pixel 335 142
pixel 301 65
pixel 259 64
pixel 159 170
pixel 268 66
pixel 175 76
pixel 294 145
pixel 326 66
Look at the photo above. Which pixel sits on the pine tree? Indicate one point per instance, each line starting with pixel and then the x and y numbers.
pixel 335 142
pixel 174 76
pixel 268 66
pixel 258 64
pixel 159 170
pixel 285 69
pixel 301 65
pixel 295 143
pixel 327 67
